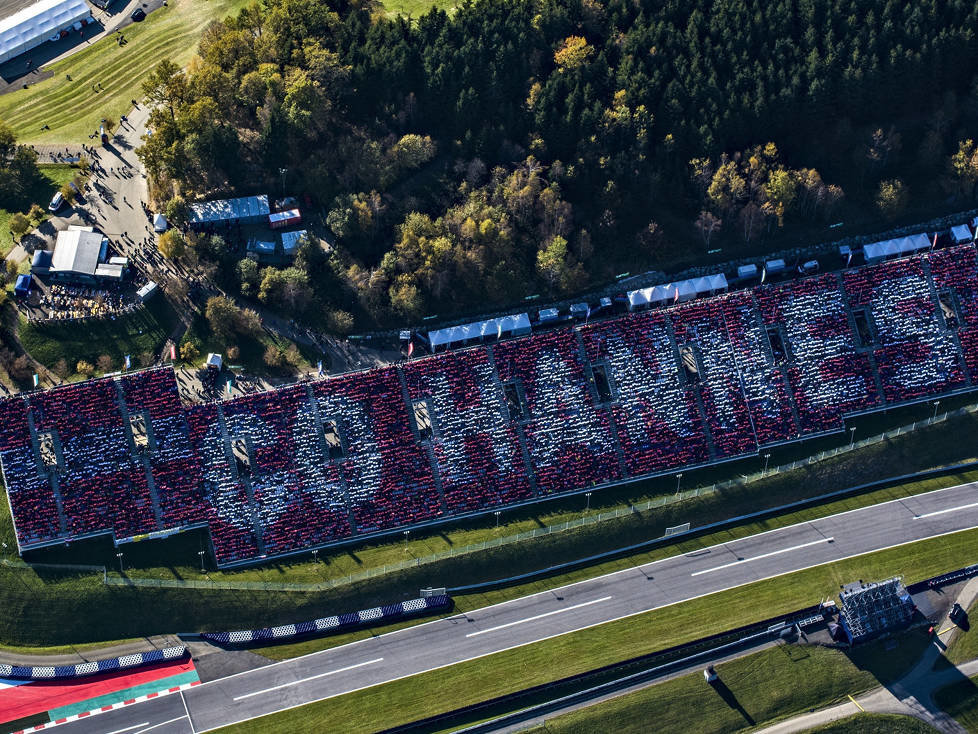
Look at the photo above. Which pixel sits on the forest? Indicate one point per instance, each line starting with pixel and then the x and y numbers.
pixel 464 160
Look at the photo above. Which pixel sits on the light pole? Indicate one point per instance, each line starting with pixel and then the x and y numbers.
pixel 406 533
pixel 852 436
pixel 497 513
pixel 679 478
pixel 587 496
pixel 936 403
pixel 283 171
pixel 766 457
pixel 315 556
pixel 119 556
pixel 201 554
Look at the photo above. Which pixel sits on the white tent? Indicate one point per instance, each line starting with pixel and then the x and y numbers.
pixel 32 26
pixel 244 209
pixel 679 292
pixel 961 234
pixel 513 325
pixel 159 223
pixel 896 247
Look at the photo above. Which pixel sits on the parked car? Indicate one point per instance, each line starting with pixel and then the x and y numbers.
pixel 56 203
pixel 138 14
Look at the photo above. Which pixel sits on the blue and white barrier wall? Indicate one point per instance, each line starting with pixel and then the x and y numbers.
pixel 377 615
pixel 60 672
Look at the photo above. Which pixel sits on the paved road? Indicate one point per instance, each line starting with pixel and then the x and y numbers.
pixel 543 615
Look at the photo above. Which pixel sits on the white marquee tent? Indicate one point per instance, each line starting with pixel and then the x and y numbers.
pixel 32 26
pixel 896 247
pixel 514 325
pixel 684 290
pixel 244 209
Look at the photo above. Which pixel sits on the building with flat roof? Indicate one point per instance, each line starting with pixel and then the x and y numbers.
pixel 80 257
pixel 33 24
pixel 245 209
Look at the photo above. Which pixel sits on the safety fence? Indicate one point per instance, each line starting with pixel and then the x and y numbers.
pixel 945 578
pixel 586 519
pixel 342 622
pixel 80 670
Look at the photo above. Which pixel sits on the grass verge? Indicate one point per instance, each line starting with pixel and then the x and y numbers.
pixel 66 101
pixel 960 700
pixel 757 689
pixel 143 331
pixel 469 682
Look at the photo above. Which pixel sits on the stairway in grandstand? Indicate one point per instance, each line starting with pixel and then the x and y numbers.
pixel 952 333
pixel 52 474
pixel 851 317
pixel 144 459
pixel 769 356
pixel 517 427
pixel 324 450
pixel 696 391
pixel 593 391
pixel 427 444
pixel 252 509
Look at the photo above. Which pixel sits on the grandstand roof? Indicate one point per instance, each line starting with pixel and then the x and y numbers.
pixel 514 324
pixel 34 24
pixel 246 208
pixel 76 251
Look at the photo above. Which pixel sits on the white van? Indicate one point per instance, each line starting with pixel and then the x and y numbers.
pixel 56 203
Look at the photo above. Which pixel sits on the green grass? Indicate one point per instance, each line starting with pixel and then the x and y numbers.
pixel 964 646
pixel 72 109
pixel 960 700
pixel 143 331
pixel 756 689
pixel 416 8
pixel 470 682
pixel 252 349
pixel 874 724
pixel 53 177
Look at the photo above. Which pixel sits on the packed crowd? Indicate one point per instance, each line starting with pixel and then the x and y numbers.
pixel 475 430
pixel 71 302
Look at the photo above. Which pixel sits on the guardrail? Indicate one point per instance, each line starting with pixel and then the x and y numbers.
pixel 945 578
pixel 337 623
pixel 94 667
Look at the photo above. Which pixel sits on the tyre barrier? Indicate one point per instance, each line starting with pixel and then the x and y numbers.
pixel 352 620
pixel 61 672
pixel 945 578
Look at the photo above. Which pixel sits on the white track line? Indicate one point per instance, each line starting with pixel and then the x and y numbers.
pixel 942 512
pixel 129 728
pixel 539 616
pixel 306 680
pixel 763 555
pixel 162 723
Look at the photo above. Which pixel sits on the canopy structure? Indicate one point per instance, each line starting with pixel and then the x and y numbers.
pixel 895 247
pixel 678 292
pixel 23 285
pixel 32 26
pixel 159 223
pixel 513 325
pixel 291 240
pixel 146 291
pixel 961 234
pixel 244 209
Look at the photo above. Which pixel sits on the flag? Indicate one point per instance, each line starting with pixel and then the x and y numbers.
pixel 587 315
pixel 676 299
pixel 229 387
pixel 35 379
pixel 410 349
pixel 499 330
pixel 934 243
pixel 173 352
pixel 319 365
pixel 763 274
pixel 128 362
pixel 849 259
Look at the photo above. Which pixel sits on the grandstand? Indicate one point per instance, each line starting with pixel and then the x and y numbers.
pixel 493 426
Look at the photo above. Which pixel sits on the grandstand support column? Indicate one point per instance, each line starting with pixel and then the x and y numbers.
pixel 517 428
pixel 951 333
pixel 52 476
pixel 868 351
pixel 324 451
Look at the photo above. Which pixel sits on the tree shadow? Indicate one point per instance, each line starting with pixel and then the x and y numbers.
pixel 731 700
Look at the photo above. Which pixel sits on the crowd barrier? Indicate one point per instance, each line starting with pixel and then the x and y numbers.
pixel 945 578
pixel 352 620
pixel 63 672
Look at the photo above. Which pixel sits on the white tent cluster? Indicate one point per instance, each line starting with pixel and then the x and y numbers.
pixel 513 325
pixel 678 292
pixel 33 25
pixel 897 247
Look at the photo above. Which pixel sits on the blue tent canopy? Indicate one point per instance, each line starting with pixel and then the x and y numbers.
pixel 23 285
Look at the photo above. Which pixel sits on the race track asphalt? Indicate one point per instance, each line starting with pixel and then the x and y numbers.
pixel 529 619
